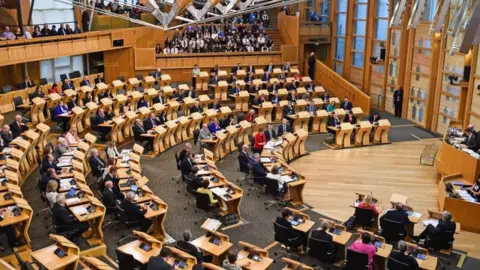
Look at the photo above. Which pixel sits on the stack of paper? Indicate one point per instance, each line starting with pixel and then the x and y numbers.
pixel 434 222
pixel 219 191
pixel 465 195
pixel 79 210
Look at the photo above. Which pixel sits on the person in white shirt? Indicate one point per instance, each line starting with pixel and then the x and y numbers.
pixel 71 137
pixel 245 41
pixel 51 193
pixel 26 33
pixel 112 150
pixel 261 39
pixel 166 50
pixel 281 179
pixel 174 50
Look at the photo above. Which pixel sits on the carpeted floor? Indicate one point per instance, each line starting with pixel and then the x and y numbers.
pixel 258 227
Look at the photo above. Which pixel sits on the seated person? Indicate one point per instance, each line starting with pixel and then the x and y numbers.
pixel 73 102
pixel 322 234
pixel 204 190
pixel 49 163
pixel 230 263
pixel 187 164
pixel 196 107
pixel 9 231
pixel 64 218
pixel 346 104
pixel 134 212
pixel 403 258
pixel 6 135
pixel 444 225
pixel 288 109
pixel 334 120
pixel 204 134
pixel 151 122
pixel 475 189
pixel 284 221
pixel 373 119
pixel 191 249
pixel 18 126
pixel 159 98
pixel 100 119
pixel 61 109
pixel 61 148
pixel 112 175
pixel 284 127
pixel 48 176
pixel 197 181
pixel 214 126
pixel 350 118
pixel 367 203
pixel 96 163
pixel 142 103
pixel 270 133
pixel 215 105
pixel 398 215
pixel 160 262
pixel 331 107
pixel 51 192
pixel 110 195
pixel 38 93
pixel 471 142
pixel 88 98
pixel 281 179
pixel 250 117
pixel 365 246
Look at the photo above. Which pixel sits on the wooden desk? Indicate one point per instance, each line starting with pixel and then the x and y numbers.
pixel 362 134
pixel 140 255
pixel 265 110
pixel 320 120
pixel 451 161
pixel 294 265
pixel 342 138
pixel 258 123
pixel 49 260
pixel 430 263
pixel 307 224
pixel 300 120
pixel 218 252
pixel 382 252
pixel 381 131
pixel 244 130
pixel 178 255
pixel 229 205
pixel 221 90
pixel 249 264
pixel 340 240
pixel 241 101
pixel 95 219
pixel 158 217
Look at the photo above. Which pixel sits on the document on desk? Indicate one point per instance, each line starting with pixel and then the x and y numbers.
pixel 416 215
pixel 65 159
pixel 79 210
pixel 213 224
pixel 269 146
pixel 466 196
pixel 265 160
pixel 434 222
pixel 69 153
pixel 64 164
pixel 221 192
pixel 7 150
pixel 72 200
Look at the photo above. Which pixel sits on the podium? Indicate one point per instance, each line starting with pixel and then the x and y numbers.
pixel 241 101
pixel 116 85
pixel 117 129
pixel 300 121
pixel 132 82
pixel 172 109
pixel 209 115
pixel 76 119
pixel 342 138
pixel 149 94
pixel 259 72
pixel 143 113
pixel 301 91
pixel 277 71
pixel 320 122
pixel 258 123
pixel 203 85
pixel 225 111
pixel 231 141
pixel 282 94
pixel 357 112
pixel 341 113
pixel 181 133
pixel 187 104
pixel 299 146
pixel 127 126
pixel 288 153
pixel 204 100
pixel 106 103
pixel 149 82
pixel 100 88
pixel 158 140
pixel 362 136
pixel 38 104
pixel 158 108
pixel 381 132
pixel 305 80
pixel 69 93
pixel 218 148
pixel 318 102
pixel 169 139
pixel 265 111
pixel 53 100
pixel 196 120
pixel 318 91
pixel 221 90
pixel 244 129
pixel 90 111
pixel 167 92
pixel 119 101
pixel 135 98
pixel 279 110
pixel 82 93
pixel 165 79
pixel 241 83
pixel 241 74
pixel 300 105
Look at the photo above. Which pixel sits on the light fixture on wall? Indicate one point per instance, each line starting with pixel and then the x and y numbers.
pixel 417 11
pixel 440 13
pixel 398 13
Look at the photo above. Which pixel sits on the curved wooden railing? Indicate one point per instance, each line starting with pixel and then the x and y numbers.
pixel 337 85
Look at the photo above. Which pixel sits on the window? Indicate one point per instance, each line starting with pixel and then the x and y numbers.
pixel 340 49
pixel 360 27
pixel 361 12
pixel 52 69
pixel 381 29
pixel 338 67
pixel 324 8
pixel 52 12
pixel 342 5
pixel 382 10
pixel 358 60
pixel 359 44
pixel 341 24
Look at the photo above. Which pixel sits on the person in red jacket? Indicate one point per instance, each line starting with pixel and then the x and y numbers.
pixel 250 117
pixel 259 141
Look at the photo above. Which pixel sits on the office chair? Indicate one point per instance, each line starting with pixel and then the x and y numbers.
pixel 112 213
pixel 287 238
pixel 196 134
pixel 177 162
pixel 130 224
pixel 126 261
pixel 152 73
pixel 247 175
pixel 190 188
pixel 63 77
pixel 393 264
pixel 442 244
pixel 202 202
pixel 240 117
pixel 139 77
pixel 43 197
pixel 25 265
pixel 322 250
pixel 62 230
pixel 364 217
pixel 121 78
pixel 356 260
pixel 393 231
pixel 6 89
pixel 271 187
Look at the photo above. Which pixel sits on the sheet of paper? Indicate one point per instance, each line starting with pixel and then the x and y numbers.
pixel 434 222
pixel 416 214
pixel 213 224
pixel 79 210
pixel 265 160
pixel 72 200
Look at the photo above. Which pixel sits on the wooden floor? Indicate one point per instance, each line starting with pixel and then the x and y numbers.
pixel 333 177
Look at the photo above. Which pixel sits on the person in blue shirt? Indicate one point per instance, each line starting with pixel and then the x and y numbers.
pixel 214 126
pixel 142 103
pixel 61 109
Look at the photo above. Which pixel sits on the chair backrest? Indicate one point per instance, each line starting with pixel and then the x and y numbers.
pixel 125 261
pixel 63 77
pixel 393 264
pixel 121 78
pixel 356 260
pixel 442 240
pixel 364 216
pixel 43 81
pixel 17 101
pixel 124 218
pixel 393 230
pixel 271 186
pixel 139 77
pixel 191 188
pixel 6 88
pixel 202 201
pixel 283 234
pixel 151 73
pixel 196 134
pixel 240 117
pixel 320 249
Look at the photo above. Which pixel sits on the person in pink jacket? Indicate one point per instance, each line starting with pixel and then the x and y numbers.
pixel 365 246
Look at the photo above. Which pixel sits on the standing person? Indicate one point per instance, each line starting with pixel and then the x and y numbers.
pixel 85 21
pixel 398 101
pixel 311 65
pixel 259 141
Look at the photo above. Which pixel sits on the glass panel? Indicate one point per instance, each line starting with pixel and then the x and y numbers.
pixel 359 44
pixel 362 1
pixel 338 67
pixel 46 70
pixel 383 8
pixel 77 63
pixel 360 27
pixel 382 30
pixel 342 5
pixel 358 60
pixel 342 24
pixel 361 12
pixel 324 8
pixel 340 49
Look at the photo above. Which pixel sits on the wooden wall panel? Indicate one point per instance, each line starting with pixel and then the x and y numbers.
pixel 356 76
pixel 378 72
pixel 145 58
pixel 375 92
pixel 118 63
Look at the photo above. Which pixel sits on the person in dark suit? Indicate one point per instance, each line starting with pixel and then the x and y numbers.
pixel 85 82
pixel 151 122
pixel 350 118
pixel 157 74
pixel 244 159
pixel 49 163
pixel 334 120
pixel 398 215
pixel 374 118
pixel 266 77
pixel 398 101
pixel 159 98
pixel 17 127
pixel 187 164
pixel 197 181
pixel 100 119
pixel 321 234
pixel 196 107
pixel 112 176
pixel 250 69
pixel 444 225
pixel 38 93
pixel 99 79
pixel 97 164
pixel 403 258
pixel 72 103
pixel 236 69
pixel 215 105
pixel 284 221
pixel 346 104
pixel 6 135
pixel 138 130
pixel 27 83
pixel 50 174
pixel 236 90
pixel 186 150
pixel 134 212
pixel 269 68
pixel 270 132
pixel 191 249
pixel 67 84
pixel 214 80
pixel 471 141
pixel 273 87
pixel 9 231
pixel 160 262
pixel 311 65
pixel 61 30
pixel 259 172
pixel 86 20
pixel 63 217
pixel 284 127
pixel 110 195
pixel 214 71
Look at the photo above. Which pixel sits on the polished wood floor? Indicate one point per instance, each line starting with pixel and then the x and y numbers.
pixel 333 177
